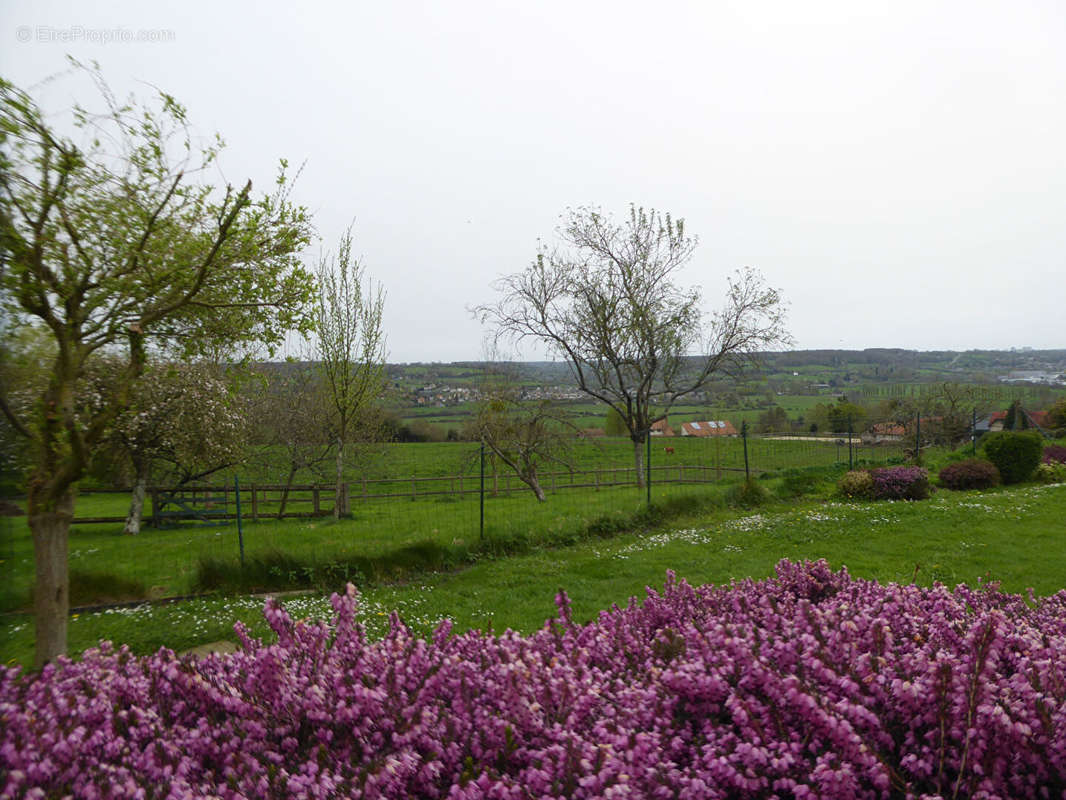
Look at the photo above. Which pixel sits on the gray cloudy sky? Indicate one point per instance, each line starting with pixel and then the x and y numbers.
pixel 897 169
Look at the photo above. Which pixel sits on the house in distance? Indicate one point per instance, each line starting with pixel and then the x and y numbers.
pixel 717 427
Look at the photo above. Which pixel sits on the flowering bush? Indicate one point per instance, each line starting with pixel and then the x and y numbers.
pixel 900 483
pixel 810 684
pixel 1054 453
pixel 1050 472
pixel 857 483
pixel 971 473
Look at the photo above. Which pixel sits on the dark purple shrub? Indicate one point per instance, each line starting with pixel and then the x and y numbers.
pixel 810 684
pixel 972 473
pixel 900 483
pixel 1054 452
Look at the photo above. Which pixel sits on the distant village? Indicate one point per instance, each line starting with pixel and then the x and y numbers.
pixel 441 395
pixel 1034 376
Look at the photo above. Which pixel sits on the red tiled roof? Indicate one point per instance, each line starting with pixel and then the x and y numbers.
pixel 717 427
pixel 663 428
pixel 888 429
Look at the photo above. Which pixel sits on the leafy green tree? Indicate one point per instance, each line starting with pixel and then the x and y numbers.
pixel 350 349
pixel 607 304
pixel 836 417
pixel 119 244
pixel 1056 416
pixel 614 425
pixel 775 419
pixel 1016 419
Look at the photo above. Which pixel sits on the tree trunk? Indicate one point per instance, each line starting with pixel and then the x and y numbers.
pixel 638 454
pixel 140 481
pixel 51 591
pixel 285 491
pixel 534 484
pixel 340 498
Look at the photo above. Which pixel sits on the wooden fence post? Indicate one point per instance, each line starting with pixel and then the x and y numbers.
pixel 315 498
pixel 255 504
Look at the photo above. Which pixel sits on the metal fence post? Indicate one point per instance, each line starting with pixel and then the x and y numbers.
pixel 918 437
pixel 481 533
pixel 973 431
pixel 240 526
pixel 647 467
pixel 851 454
pixel 744 436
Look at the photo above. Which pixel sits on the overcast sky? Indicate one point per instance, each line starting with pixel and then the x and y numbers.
pixel 897 169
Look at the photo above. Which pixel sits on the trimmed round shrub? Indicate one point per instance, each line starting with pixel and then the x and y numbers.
pixel 973 473
pixel 1054 453
pixel 900 483
pixel 1015 454
pixel 858 484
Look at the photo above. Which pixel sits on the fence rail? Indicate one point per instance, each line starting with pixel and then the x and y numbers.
pixel 258 497
pixel 602 465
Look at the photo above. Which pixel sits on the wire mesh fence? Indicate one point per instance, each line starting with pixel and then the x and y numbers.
pixel 410 501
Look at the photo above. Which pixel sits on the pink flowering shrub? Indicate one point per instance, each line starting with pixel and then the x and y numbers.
pixel 1054 454
pixel 900 483
pixel 809 684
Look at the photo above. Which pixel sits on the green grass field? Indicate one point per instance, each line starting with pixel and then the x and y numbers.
pixel 401 463
pixel 414 526
pixel 1016 536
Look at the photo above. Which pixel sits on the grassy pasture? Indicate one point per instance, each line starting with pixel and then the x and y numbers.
pixel 107 566
pixel 401 462
pixel 1014 536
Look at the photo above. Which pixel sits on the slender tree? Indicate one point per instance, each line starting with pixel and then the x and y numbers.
pixel 295 422
pixel 118 244
pixel 524 435
pixel 350 349
pixel 605 301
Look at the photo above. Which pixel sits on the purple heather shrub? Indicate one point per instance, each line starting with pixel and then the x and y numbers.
pixel 808 684
pixel 970 473
pixel 1054 453
pixel 900 483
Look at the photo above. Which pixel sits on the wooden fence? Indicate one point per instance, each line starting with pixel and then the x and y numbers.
pixel 303 501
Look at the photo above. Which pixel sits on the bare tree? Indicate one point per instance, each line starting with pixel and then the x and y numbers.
pixel 522 434
pixel 605 301
pixel 350 348
pixel 295 415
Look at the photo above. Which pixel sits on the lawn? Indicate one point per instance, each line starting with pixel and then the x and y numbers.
pixel 107 566
pixel 1015 536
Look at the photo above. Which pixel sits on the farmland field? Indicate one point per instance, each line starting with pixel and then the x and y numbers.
pixel 427 495
pixel 1013 536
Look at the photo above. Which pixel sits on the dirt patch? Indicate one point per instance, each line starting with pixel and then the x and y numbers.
pixel 201 650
